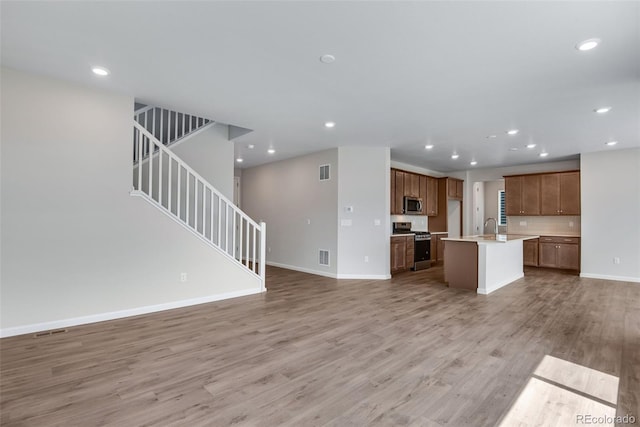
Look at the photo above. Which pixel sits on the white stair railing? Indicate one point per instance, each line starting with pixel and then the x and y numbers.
pixel 168 126
pixel 180 192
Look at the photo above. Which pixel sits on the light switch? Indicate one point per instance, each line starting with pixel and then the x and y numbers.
pixel 345 222
pixel 376 222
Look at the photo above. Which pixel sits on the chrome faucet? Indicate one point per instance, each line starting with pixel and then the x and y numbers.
pixel 495 222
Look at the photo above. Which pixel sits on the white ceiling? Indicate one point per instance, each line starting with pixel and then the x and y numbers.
pixel 406 73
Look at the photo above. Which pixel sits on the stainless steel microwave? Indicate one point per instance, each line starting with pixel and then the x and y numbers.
pixel 412 205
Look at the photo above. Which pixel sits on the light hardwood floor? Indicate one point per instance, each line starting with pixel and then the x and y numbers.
pixel 316 351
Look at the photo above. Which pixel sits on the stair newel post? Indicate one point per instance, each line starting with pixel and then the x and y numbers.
pixel 263 256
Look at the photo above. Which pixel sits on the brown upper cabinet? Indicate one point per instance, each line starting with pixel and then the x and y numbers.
pixel 413 185
pixel 560 193
pixel 556 193
pixel 454 188
pixel 429 194
pixel 522 195
pixel 397 192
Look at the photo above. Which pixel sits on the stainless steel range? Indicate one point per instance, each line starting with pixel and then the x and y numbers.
pixel 422 244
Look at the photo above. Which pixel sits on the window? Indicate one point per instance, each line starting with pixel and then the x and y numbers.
pixel 502 213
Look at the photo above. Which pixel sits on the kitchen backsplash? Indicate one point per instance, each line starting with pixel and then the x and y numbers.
pixel 418 222
pixel 543 225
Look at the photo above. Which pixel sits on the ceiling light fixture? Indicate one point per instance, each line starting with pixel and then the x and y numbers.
pixel 454 156
pixel 491 136
pixel 602 110
pixel 512 132
pixel 473 163
pixel 327 59
pixel 428 146
pixel 100 71
pixel 239 160
pixel 531 145
pixel 611 143
pixel 251 146
pixel 544 154
pixel 587 44
pixel 330 124
pixel 513 149
pixel 271 151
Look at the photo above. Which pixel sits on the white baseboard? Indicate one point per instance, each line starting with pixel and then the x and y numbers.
pixel 303 270
pixel 607 277
pixel 66 323
pixel 500 285
pixel 330 274
pixel 364 276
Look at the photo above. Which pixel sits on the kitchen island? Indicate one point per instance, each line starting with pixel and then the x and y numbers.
pixel 483 263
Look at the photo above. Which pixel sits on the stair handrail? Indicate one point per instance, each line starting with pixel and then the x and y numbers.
pixel 260 227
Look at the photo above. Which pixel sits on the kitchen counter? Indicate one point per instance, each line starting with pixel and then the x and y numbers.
pixel 402 234
pixel 490 238
pixel 484 263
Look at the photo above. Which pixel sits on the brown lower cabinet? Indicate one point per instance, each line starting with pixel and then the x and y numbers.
pixel 559 252
pixel 437 248
pixel 402 250
pixel 530 252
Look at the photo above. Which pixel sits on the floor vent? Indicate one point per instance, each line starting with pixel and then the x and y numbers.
pixel 49 333
pixel 324 257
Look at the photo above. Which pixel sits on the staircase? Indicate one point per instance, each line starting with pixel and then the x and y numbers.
pixel 167 182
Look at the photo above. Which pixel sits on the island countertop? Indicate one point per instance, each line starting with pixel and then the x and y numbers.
pixel 490 238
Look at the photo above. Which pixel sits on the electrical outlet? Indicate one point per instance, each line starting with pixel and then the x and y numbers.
pixel 570 223
pixel 366 258
pixel 616 260
pixel 308 221
pixel 269 249
pixel 523 223
pixel 376 222
pixel 183 277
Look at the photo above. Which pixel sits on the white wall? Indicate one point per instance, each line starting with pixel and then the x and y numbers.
pixel 76 247
pixel 299 209
pixel 363 185
pixel 210 153
pixel 610 195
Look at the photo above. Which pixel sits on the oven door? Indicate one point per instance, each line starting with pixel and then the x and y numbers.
pixel 422 254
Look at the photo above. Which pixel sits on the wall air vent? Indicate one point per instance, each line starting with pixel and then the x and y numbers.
pixel 325 172
pixel 324 257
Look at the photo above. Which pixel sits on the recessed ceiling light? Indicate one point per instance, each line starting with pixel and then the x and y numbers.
pixel 531 145
pixel 239 160
pixel 611 143
pixel 251 146
pixel 602 110
pixel 473 163
pixel 327 59
pixel 513 132
pixel 454 156
pixel 428 146
pixel 329 124
pixel 544 154
pixel 100 71
pixel 513 149
pixel 491 136
pixel 271 151
pixel 587 44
